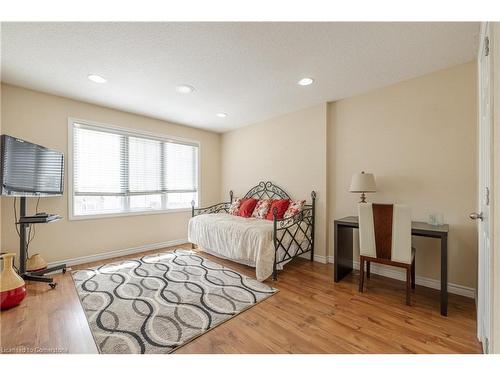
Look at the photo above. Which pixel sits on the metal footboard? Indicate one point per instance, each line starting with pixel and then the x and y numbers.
pixel 294 236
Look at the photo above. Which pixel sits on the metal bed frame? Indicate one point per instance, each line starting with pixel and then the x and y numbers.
pixel 286 232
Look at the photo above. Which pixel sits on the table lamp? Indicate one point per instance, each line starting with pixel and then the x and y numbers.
pixel 363 183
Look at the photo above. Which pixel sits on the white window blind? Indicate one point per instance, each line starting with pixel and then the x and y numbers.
pixel 116 171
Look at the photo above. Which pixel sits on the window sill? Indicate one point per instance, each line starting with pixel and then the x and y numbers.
pixel 124 214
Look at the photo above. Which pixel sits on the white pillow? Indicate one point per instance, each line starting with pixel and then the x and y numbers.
pixel 294 208
pixel 235 206
pixel 262 208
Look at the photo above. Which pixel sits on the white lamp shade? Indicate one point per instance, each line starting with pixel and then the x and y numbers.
pixel 363 183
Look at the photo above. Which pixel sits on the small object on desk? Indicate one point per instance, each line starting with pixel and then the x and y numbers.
pixel 436 219
pixel 363 183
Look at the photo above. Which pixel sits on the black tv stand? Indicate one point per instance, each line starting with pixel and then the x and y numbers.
pixel 24 223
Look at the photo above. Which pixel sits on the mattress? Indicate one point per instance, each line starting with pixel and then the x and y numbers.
pixel 244 240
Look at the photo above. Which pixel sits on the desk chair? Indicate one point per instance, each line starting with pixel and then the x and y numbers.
pixel 385 237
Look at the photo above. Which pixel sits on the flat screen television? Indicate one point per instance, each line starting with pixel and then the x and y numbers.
pixel 28 169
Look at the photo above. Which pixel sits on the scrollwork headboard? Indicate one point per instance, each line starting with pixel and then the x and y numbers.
pixel 267 190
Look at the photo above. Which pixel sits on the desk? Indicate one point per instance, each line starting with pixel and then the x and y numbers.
pixel 343 250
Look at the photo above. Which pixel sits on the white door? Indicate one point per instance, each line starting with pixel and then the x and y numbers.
pixel 484 313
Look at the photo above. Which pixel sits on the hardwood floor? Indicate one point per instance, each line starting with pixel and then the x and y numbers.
pixel 310 314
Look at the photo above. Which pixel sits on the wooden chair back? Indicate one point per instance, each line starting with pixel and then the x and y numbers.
pixel 385 232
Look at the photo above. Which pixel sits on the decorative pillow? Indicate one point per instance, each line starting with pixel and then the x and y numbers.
pixel 247 206
pixel 262 208
pixel 235 206
pixel 281 205
pixel 294 208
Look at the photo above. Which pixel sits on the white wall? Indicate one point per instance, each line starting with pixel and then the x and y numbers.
pixel 419 139
pixel 290 151
pixel 495 47
pixel 43 119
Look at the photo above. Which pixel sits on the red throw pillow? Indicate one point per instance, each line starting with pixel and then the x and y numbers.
pixel 247 206
pixel 281 205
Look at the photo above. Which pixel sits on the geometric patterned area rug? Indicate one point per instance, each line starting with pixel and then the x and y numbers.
pixel 157 303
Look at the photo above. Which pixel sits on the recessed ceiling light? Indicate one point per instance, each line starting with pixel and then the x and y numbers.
pixel 184 89
pixel 305 81
pixel 96 78
pixel 222 114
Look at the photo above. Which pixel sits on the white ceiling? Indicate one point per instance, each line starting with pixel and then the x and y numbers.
pixel 248 70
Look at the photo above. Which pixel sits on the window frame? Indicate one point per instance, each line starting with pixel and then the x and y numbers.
pixel 132 132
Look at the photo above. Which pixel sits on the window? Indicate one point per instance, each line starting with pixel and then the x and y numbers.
pixel 118 171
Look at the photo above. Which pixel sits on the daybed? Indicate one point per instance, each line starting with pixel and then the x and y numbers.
pixel 264 244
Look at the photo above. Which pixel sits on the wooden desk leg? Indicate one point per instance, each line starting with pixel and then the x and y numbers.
pixel 342 253
pixel 444 274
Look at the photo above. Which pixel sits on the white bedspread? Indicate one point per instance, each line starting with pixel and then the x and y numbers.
pixel 245 240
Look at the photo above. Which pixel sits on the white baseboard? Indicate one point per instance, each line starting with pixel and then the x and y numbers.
pixel 419 280
pixel 394 273
pixel 321 259
pixel 118 253
pixel 317 258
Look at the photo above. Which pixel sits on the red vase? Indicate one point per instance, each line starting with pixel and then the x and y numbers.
pixel 12 286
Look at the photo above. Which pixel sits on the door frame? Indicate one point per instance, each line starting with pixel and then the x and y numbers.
pixel 485 297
